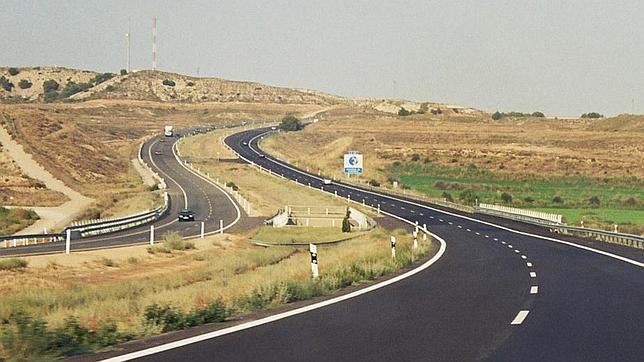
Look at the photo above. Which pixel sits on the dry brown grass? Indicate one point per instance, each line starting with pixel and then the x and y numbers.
pixel 520 148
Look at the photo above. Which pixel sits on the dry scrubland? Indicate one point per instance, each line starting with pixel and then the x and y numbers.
pixel 532 159
pixel 89 145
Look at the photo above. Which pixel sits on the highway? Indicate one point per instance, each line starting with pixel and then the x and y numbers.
pixel 501 291
pixel 185 190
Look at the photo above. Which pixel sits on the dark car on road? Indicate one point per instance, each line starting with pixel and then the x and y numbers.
pixel 186 215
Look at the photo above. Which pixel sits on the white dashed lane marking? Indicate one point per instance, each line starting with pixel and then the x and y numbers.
pixel 534 289
pixel 524 257
pixel 533 274
pixel 529 264
pixel 520 317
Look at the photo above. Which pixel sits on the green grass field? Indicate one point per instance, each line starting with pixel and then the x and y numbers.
pixel 601 201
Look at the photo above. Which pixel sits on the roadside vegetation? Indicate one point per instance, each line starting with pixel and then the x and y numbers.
pixel 126 294
pixel 14 220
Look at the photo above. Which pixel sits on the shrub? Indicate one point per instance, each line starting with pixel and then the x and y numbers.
pixel 169 83
pixel 528 199
pixel 154 187
pixel 123 72
pixel 24 84
pixel 110 88
pixel 436 111
pixel 190 84
pixel 50 85
pixel 538 114
pixel 374 183
pixel 232 185
pixel 291 123
pixel 557 200
pixel 631 201
pixel 447 196
pixel 403 112
pixel 497 115
pixel 468 196
pixel 72 88
pixel 592 115
pixel 6 84
pixel 102 77
pixel 108 262
pixel 171 319
pixel 13 264
pixel 506 197
pixel 50 96
pixel 346 224
pixel 415 157
pixel 14 71
pixel 594 201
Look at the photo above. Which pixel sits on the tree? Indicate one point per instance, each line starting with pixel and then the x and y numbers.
pixel 6 84
pixel 291 123
pixel 123 72
pixel 505 197
pixel 50 85
pixel 557 200
pixel 468 196
pixel 102 77
pixel 346 224
pixel 50 96
pixel 538 114
pixel 497 115
pixel 25 84
pixel 592 115
pixel 169 83
pixel 14 71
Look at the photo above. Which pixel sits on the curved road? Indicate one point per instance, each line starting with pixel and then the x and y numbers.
pixel 185 190
pixel 501 291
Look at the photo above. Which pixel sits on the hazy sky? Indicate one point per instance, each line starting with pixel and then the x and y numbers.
pixel 560 57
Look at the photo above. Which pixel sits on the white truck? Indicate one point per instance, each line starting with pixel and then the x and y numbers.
pixel 168 131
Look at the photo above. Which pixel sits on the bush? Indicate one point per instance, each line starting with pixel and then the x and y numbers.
pixel 123 72
pixel 592 115
pixel 594 201
pixel 529 200
pixel 415 157
pixel 171 319
pixel 6 84
pixel 232 185
pixel 447 196
pixel 557 200
pixel 169 83
pixel 190 84
pixel 374 183
pixel 50 85
pixel 436 111
pixel 110 88
pixel 100 78
pixel 291 123
pixel 50 96
pixel 13 264
pixel 108 262
pixel 72 88
pixel 14 71
pixel 538 114
pixel 24 84
pixel 506 197
pixel 469 197
pixel 404 113
pixel 346 224
pixel 497 115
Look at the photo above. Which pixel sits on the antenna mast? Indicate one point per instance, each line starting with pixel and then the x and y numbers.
pixel 154 43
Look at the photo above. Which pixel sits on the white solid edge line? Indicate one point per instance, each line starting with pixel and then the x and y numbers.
pixel 534 289
pixel 276 317
pixel 583 247
pixel 520 317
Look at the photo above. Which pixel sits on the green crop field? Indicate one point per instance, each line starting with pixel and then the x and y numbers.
pixel 599 201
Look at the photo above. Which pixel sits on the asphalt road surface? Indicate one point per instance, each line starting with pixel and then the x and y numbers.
pixel 499 292
pixel 185 190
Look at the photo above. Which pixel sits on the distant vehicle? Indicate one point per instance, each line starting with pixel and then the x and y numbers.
pixel 273 128
pixel 245 143
pixel 261 156
pixel 186 215
pixel 168 131
pixel 158 152
pixel 327 181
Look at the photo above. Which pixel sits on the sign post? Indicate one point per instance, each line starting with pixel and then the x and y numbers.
pixel 313 249
pixel 353 163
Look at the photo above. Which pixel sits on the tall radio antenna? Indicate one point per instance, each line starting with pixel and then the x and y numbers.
pixel 154 43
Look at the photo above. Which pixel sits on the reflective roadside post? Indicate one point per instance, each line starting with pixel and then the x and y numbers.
pixel 151 234
pixel 393 247
pixel 68 242
pixel 313 249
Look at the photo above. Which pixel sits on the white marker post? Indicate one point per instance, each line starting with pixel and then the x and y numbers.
pixel 393 247
pixel 425 233
pixel 415 233
pixel 151 234
pixel 203 226
pixel 221 226
pixel 378 208
pixel 68 242
pixel 313 249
